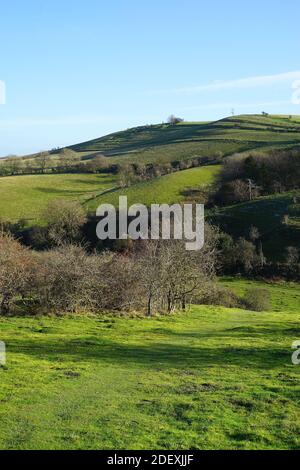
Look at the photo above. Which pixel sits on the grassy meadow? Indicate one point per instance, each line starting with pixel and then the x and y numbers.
pixel 285 296
pixel 25 197
pixel 212 378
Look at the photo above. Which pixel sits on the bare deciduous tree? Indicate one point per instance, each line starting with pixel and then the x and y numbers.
pixel 42 160
pixel 170 275
pixel 65 220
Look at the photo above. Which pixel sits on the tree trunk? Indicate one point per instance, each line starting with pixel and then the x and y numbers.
pixel 5 305
pixel 169 303
pixel 149 310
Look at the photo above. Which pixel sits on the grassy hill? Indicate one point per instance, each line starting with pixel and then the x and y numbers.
pixel 26 196
pixel 276 217
pixel 213 378
pixel 164 142
pixel 168 189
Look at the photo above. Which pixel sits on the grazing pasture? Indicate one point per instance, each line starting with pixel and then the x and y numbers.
pixel 168 189
pixel 212 378
pixel 25 197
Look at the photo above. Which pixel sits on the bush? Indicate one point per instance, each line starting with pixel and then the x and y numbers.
pixel 16 271
pixel 217 295
pixel 258 300
pixel 65 220
pixel 63 280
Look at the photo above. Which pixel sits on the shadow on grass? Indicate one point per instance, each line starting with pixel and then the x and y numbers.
pixel 68 192
pixel 268 333
pixel 168 355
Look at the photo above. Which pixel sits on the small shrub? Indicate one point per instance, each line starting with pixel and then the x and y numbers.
pixel 220 296
pixel 258 300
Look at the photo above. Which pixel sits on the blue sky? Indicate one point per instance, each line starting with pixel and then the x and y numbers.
pixel 75 70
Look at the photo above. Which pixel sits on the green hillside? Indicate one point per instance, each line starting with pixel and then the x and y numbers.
pixel 276 217
pixel 166 189
pixel 164 142
pixel 25 197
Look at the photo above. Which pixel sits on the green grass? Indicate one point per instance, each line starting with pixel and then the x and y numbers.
pixel 268 215
pixel 284 295
pixel 25 197
pixel 213 378
pixel 163 142
pixel 166 189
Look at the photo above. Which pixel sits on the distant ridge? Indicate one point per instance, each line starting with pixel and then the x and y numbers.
pixel 229 135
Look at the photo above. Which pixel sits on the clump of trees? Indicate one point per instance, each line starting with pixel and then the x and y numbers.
pixel 171 276
pixel 245 256
pixel 239 256
pixel 67 274
pixel 173 120
pixel 244 177
pixel 155 276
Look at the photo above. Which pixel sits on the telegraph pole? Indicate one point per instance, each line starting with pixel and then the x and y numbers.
pixel 251 186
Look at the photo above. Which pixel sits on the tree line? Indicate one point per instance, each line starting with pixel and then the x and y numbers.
pixel 69 161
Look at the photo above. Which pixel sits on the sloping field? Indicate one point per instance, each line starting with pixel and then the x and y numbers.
pixel 213 378
pixel 276 217
pixel 166 189
pixel 25 197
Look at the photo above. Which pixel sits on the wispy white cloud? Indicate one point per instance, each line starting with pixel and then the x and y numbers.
pixel 242 83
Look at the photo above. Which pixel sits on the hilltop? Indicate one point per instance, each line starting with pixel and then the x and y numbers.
pixel 167 142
